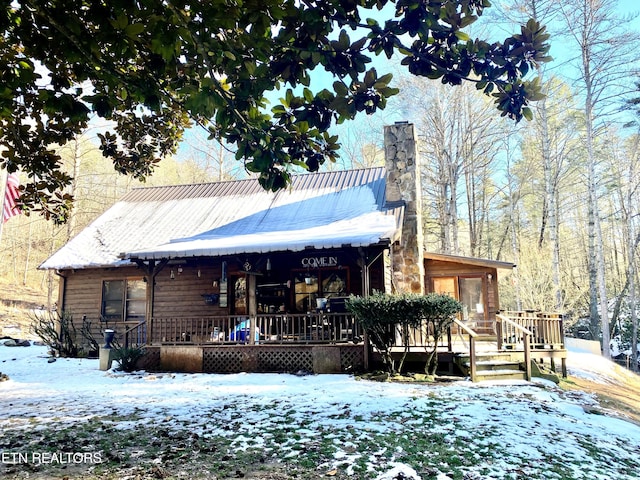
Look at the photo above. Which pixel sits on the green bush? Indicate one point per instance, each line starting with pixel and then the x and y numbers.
pixel 437 312
pixel 127 358
pixel 375 316
pixel 386 318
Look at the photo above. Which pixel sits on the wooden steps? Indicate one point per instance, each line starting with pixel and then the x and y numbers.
pixel 494 365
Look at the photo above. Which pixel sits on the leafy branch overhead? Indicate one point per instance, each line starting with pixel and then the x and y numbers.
pixel 152 68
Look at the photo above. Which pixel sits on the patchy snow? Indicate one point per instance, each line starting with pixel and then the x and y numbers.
pixel 509 430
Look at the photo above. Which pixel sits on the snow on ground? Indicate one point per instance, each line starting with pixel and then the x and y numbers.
pixel 504 430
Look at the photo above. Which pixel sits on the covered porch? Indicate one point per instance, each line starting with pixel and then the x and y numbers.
pixel 326 342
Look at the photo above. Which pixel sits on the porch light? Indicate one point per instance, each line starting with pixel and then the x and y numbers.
pixel 172 275
pixel 268 264
pixel 199 273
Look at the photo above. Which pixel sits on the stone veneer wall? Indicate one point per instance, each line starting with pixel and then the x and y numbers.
pixel 403 184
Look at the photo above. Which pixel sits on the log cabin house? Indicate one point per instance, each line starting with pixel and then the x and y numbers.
pixel 227 277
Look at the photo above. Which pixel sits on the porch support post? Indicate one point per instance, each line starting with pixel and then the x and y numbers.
pixel 151 270
pixel 366 287
pixel 252 309
pixel 365 293
pixel 472 358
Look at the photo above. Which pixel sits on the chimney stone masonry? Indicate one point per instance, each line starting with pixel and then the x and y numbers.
pixel 403 184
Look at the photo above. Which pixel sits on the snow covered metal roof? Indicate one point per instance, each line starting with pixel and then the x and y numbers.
pixel 320 210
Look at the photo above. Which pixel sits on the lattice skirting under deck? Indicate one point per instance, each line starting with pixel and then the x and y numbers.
pixel 256 358
pixel 352 358
pixel 223 360
pixel 284 360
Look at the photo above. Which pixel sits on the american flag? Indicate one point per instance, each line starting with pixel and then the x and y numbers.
pixel 11 194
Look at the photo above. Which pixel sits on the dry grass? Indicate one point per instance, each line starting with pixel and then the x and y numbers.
pixel 618 392
pixel 16 303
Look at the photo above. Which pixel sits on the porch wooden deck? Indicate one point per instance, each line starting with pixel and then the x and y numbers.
pixel 277 340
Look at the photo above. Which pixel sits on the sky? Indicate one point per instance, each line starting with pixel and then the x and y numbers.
pixel 391 114
pixel 512 429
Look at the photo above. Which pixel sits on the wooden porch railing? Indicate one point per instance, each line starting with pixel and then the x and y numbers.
pixel 519 335
pixel 546 330
pixel 263 328
pixel 422 336
pixel 128 334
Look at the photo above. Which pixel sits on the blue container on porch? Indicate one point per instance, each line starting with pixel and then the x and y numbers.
pixel 242 332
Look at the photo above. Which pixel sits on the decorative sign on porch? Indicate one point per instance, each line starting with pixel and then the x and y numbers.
pixel 319 262
pixel 223 293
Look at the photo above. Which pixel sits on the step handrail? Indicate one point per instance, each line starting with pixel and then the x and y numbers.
pixel 527 335
pixel 129 330
pixel 472 347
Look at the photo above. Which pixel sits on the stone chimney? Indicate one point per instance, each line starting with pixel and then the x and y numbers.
pixel 403 185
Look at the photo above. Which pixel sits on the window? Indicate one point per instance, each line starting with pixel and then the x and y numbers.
pixel 319 284
pixel 124 300
pixel 112 297
pixel 446 285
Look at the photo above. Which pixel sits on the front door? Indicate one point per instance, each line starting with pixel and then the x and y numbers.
pixel 239 296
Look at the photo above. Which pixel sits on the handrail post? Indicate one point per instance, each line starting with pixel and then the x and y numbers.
pixel 472 358
pixel 527 356
pixel 472 347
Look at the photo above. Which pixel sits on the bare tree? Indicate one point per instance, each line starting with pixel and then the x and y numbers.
pixel 605 55
pixel 624 169
pixel 204 161
pixel 362 143
pixel 512 192
pixel 544 11
pixel 550 143
pixel 457 140
pixel 633 239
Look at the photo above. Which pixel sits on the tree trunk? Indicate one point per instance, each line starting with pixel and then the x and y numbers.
pixel 28 254
pixel 76 158
pixel 515 251
pixel 632 300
